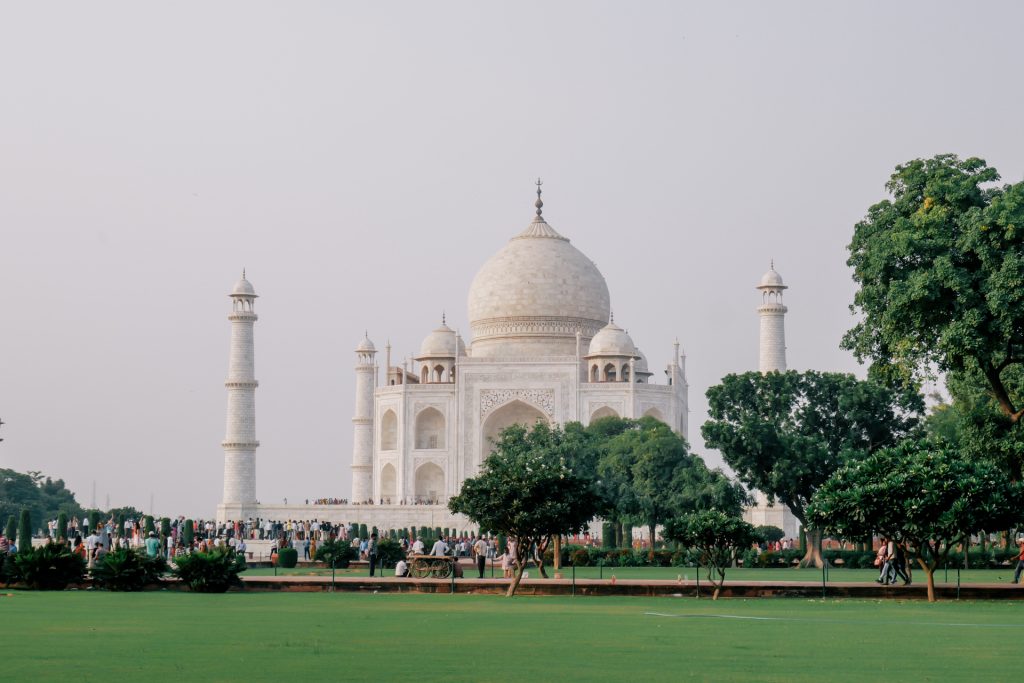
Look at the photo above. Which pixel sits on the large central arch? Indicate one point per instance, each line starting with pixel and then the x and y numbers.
pixel 430 429
pixel 515 412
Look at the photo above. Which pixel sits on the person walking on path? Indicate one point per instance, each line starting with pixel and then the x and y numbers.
pixel 371 552
pixel 480 550
pixel 1020 562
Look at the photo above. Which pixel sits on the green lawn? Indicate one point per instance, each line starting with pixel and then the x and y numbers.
pixel 807 575
pixel 165 636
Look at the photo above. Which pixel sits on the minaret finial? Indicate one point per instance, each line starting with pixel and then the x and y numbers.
pixel 243 272
pixel 539 203
pixel 611 317
pixel 444 320
pixel 772 262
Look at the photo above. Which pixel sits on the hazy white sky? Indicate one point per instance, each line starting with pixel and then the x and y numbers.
pixel 362 160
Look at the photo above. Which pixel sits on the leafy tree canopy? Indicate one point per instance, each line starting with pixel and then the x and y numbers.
pixel 716 534
pixel 929 495
pixel 940 268
pixel 45 498
pixel 529 490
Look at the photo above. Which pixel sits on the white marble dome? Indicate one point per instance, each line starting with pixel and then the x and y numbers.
pixel 366 345
pixel 532 296
pixel 243 288
pixel 771 280
pixel 441 343
pixel 612 340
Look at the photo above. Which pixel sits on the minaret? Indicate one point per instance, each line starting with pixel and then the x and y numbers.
pixel 773 322
pixel 240 442
pixel 362 424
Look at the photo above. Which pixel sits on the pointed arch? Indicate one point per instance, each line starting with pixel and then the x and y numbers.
pixel 655 413
pixel 595 373
pixel 429 485
pixel 424 374
pixel 609 372
pixel 388 431
pixel 388 482
pixel 430 429
pixel 603 411
pixel 515 412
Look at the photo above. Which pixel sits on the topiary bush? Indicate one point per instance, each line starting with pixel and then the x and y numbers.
pixel 212 572
pixel 127 570
pixel 189 533
pixel 25 531
pixel 389 552
pixel 287 558
pixel 62 526
pixel 50 567
pixel 341 553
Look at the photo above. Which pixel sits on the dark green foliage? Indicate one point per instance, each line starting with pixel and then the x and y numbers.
pixel 527 489
pixel 353 531
pixel 930 496
pixel 502 544
pixel 62 526
pixel 148 525
pixel 287 557
pixel 340 552
pixel 11 530
pixel 363 532
pixel 940 268
pixel 25 532
pixel 94 519
pixel 165 527
pixel 627 535
pixel 769 534
pixel 374 531
pixel 607 535
pixel 425 536
pixel 389 552
pixel 716 535
pixel 212 572
pixel 126 570
pixel 189 534
pixel 48 567
pixel 45 498
pixel 437 532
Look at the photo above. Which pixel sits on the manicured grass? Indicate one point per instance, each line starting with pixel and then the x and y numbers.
pixel 163 636
pixel 1004 575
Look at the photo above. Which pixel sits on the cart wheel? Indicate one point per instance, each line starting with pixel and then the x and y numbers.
pixel 420 570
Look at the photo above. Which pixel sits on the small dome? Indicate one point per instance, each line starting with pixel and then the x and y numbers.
pixel 243 288
pixel 772 280
pixel 366 345
pixel 441 343
pixel 612 340
pixel 641 362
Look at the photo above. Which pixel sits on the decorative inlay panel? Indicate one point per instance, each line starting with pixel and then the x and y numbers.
pixel 544 399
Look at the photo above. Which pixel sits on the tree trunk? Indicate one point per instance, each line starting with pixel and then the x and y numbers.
pixel 539 557
pixel 557 559
pixel 515 580
pixel 929 570
pixel 650 530
pixel 812 555
pixel 618 534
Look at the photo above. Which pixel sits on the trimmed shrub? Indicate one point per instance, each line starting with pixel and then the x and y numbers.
pixel 165 528
pixel 50 567
pixel 389 552
pixel 607 535
pixel 25 532
pixel 212 572
pixel 189 534
pixel 127 570
pixel 437 532
pixel 62 526
pixel 11 530
pixel 353 531
pixel 287 557
pixel 340 552
pixel 94 519
pixel 149 526
pixel 363 531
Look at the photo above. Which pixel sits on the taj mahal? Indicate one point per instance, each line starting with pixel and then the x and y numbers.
pixel 543 345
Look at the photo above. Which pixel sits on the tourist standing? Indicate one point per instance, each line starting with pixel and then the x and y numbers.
pixel 371 552
pixel 480 550
pixel 1020 561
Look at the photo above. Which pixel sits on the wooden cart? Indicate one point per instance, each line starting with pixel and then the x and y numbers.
pixel 432 566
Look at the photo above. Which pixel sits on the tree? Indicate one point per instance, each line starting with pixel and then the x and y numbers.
pixel 786 433
pixel 769 534
pixel 62 526
pixel 716 535
pixel 11 530
pixel 929 495
pixel 45 498
pixel 528 490
pixel 189 534
pixel 940 268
